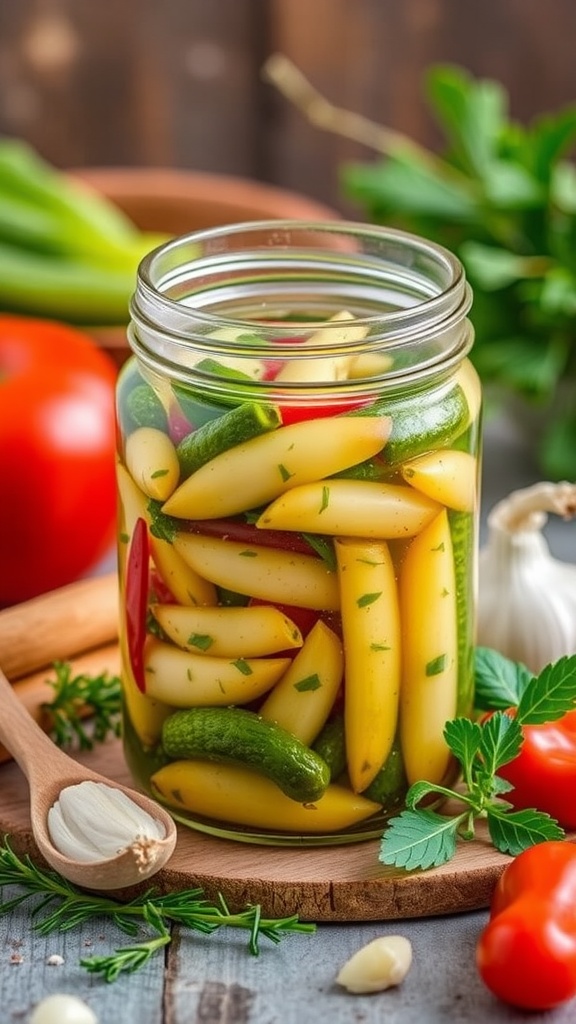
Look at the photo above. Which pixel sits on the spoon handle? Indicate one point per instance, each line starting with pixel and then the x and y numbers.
pixel 29 745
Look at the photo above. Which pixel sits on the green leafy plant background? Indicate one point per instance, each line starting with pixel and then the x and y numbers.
pixel 502 196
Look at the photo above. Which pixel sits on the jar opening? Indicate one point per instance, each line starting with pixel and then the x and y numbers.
pixel 239 289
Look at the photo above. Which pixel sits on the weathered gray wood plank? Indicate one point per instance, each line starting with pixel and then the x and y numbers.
pixel 26 977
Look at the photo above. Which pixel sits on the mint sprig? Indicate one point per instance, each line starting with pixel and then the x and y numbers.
pixel 421 837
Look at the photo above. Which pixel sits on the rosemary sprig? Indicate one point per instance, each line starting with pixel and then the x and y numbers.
pixel 61 907
pixel 80 696
pixel 131 958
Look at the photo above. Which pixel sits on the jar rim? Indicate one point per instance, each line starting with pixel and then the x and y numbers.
pixel 408 298
pixel 163 267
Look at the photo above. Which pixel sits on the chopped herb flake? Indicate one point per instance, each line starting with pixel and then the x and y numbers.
pixel 380 647
pixel 367 599
pixel 325 499
pixel 200 640
pixel 436 666
pixel 242 665
pixel 309 683
pixel 158 472
pixel 284 473
pixel 248 553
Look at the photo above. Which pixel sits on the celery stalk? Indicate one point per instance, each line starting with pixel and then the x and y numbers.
pixel 64 288
pixel 24 173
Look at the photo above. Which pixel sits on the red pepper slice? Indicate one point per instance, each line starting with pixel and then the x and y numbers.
pixel 136 600
pixel 246 533
pixel 526 955
pixel 544 772
pixel 298 413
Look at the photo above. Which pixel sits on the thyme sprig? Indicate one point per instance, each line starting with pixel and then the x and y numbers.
pixel 77 697
pixel 61 907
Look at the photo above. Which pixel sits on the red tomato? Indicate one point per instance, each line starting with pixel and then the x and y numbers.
pixel 57 462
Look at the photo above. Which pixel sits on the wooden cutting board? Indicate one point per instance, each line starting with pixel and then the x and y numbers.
pixel 335 883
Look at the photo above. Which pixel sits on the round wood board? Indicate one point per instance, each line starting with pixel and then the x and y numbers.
pixel 336 883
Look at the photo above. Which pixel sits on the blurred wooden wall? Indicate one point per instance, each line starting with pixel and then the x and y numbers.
pixel 178 82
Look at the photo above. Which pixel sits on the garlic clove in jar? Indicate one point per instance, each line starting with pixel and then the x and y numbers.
pixel 527 598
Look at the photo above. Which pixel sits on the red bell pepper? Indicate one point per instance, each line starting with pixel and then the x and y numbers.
pixel 544 772
pixel 526 955
pixel 136 600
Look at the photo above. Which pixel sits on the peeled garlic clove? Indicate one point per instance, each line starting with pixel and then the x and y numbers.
pixel 380 964
pixel 92 821
pixel 527 598
pixel 62 1009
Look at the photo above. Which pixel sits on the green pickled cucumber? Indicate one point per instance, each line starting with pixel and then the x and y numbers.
pixel 242 423
pixel 237 736
pixel 418 426
pixel 464 543
pixel 331 747
pixel 390 785
pixel 138 404
pixel 388 788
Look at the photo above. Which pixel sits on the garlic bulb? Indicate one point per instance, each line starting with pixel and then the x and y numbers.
pixel 91 822
pixel 527 598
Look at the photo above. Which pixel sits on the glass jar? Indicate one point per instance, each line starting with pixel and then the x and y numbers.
pixel 298 473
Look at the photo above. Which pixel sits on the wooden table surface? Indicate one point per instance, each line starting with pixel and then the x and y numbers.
pixel 215 980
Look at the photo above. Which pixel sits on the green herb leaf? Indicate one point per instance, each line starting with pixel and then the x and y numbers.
pixel 464 738
pixel 367 599
pixel 499 681
pixel 242 665
pixel 323 546
pixel 514 831
pixel 423 838
pixel 472 113
pixel 436 666
pixel 549 695
pixel 203 641
pixel 404 184
pixel 500 741
pixel 162 526
pixel 419 839
pixel 492 267
pixel 80 699
pixel 310 683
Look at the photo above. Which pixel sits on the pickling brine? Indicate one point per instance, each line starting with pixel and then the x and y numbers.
pixel 298 473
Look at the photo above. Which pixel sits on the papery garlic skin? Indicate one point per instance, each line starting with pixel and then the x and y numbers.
pixel 378 965
pixel 91 822
pixel 527 598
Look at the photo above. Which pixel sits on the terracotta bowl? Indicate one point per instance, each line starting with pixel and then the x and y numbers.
pixel 176 202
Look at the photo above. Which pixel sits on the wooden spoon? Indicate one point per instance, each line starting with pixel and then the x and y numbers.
pixel 49 771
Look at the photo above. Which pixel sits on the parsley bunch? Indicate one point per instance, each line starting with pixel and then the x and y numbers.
pixel 421 837
pixel 502 196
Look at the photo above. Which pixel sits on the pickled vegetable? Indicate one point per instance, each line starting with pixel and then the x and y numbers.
pixel 309 624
